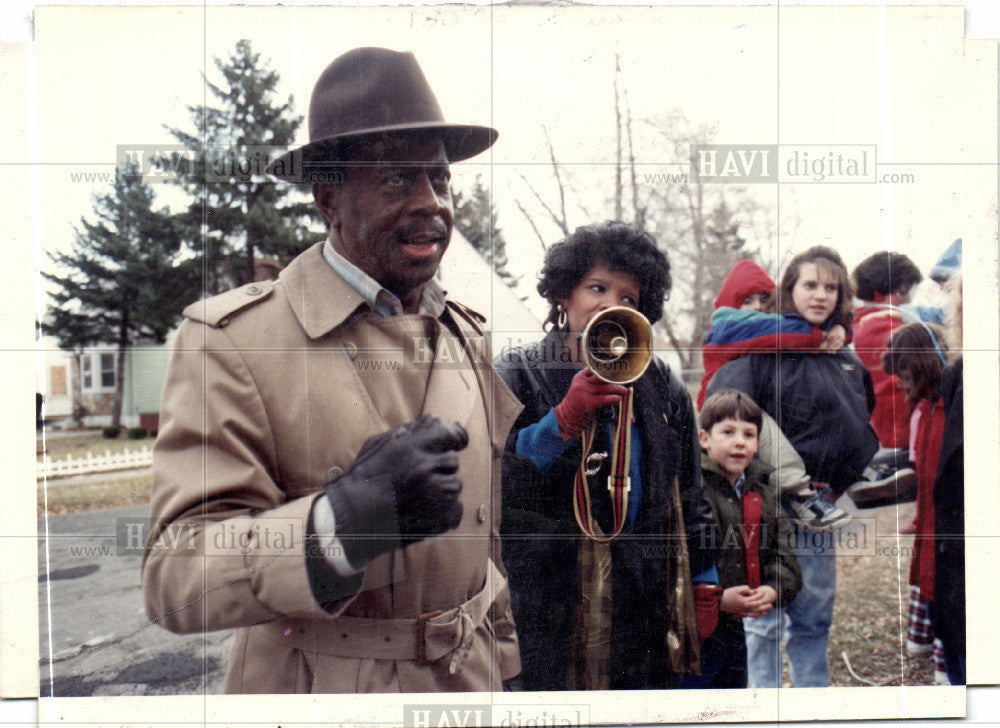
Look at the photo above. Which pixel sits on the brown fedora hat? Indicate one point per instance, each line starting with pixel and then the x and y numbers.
pixel 370 91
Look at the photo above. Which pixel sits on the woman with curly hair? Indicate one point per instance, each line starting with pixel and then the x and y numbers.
pixel 590 614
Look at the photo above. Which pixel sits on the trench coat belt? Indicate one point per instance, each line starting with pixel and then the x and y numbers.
pixel 424 639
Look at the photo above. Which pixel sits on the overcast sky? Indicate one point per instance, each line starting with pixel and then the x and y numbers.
pixel 900 81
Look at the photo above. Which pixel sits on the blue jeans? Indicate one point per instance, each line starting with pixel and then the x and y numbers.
pixel 809 617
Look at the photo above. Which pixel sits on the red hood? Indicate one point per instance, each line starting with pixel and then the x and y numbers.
pixel 744 279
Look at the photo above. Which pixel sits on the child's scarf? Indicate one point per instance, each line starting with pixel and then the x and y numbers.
pixel 736 332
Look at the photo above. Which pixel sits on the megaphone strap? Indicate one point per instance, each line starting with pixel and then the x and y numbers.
pixel 619 483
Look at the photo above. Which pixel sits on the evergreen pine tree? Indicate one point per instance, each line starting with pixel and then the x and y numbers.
pixel 475 218
pixel 124 279
pixel 238 212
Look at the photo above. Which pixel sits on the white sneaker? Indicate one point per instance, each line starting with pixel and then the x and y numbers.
pixel 816 514
pixel 941 678
pixel 916 649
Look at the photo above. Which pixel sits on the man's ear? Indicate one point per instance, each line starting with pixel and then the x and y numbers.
pixel 325 195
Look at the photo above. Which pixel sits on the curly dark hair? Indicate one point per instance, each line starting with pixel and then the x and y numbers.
pixel 917 349
pixel 884 272
pixel 827 259
pixel 620 246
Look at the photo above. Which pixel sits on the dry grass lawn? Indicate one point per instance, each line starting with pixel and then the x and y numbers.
pixel 67 495
pixel 869 618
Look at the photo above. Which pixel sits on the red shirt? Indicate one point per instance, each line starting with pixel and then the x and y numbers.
pixel 873 325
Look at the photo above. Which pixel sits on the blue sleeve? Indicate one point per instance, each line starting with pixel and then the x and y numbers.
pixel 541 442
pixel 928 314
pixel 731 325
pixel 708 576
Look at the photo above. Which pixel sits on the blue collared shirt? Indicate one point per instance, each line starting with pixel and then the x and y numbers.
pixel 738 485
pixel 382 301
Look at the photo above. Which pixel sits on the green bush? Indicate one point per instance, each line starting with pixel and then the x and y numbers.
pixel 136 433
pixel 111 433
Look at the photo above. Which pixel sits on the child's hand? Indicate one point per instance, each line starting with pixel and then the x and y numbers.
pixel 766 594
pixel 833 340
pixel 760 601
pixel 742 601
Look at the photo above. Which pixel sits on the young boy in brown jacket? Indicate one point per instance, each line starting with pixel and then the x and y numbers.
pixel 757 568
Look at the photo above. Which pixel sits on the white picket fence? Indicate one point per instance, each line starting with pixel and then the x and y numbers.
pixel 125 460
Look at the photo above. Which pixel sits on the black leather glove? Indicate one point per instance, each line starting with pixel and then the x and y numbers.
pixel 402 487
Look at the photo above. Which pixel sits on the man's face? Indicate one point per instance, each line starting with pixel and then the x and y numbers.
pixel 392 215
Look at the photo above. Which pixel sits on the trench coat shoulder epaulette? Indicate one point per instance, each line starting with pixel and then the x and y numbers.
pixel 217 311
pixel 471 316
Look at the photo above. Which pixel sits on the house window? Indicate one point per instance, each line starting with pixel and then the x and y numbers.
pixel 107 371
pixel 86 372
pixel 97 371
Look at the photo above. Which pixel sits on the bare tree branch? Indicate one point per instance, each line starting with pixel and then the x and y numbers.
pixel 638 212
pixel 562 191
pixel 559 221
pixel 531 222
pixel 618 140
pixel 681 350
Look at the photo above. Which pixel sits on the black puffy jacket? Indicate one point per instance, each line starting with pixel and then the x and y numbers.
pixel 822 402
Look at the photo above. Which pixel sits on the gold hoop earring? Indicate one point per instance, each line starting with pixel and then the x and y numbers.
pixel 562 318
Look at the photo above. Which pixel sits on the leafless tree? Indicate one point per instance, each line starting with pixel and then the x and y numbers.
pixel 704 228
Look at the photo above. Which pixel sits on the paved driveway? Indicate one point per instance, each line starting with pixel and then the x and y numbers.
pixel 95 638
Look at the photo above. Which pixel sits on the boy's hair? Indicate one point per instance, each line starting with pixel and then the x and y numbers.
pixel 826 259
pixel 883 273
pixel 730 404
pixel 917 349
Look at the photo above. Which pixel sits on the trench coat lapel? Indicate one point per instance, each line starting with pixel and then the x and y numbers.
pixel 320 299
pixel 471 376
pixel 451 388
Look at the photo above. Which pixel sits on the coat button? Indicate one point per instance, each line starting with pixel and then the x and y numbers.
pixel 254 291
pixel 334 472
pixel 352 350
pixel 481 513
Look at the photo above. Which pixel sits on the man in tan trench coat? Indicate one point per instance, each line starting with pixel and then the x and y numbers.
pixel 326 477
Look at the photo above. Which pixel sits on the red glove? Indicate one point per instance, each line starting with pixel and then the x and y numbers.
pixel 706 608
pixel 587 394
